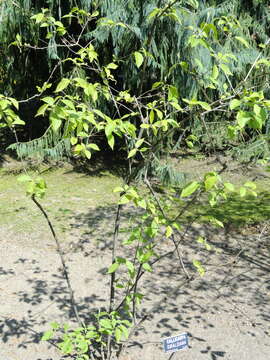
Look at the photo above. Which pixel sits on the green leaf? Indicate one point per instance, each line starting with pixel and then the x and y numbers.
pixel 147 267
pixel 199 267
pixel 138 59
pixel 243 117
pixel 62 85
pixel 172 93
pixel 93 146
pixel 55 325
pixel 106 323
pixel 229 186
pixel 113 268
pixel 142 203
pixel 132 153
pixel 47 335
pixel 124 329
pixel 112 66
pixel 251 185
pixel 41 111
pixel 123 200
pixel 56 123
pixel 215 72
pixel 91 90
pixel 118 189
pixel 118 334
pixel 242 41
pixel 48 100
pixel 73 140
pixel 204 105
pixel 216 222
pixel 129 265
pixel 139 143
pixel 66 346
pixel 190 189
pixel 110 139
pixel 87 153
pixel 209 182
pixel 169 231
pixel 235 104
pixel 243 191
pixel 225 69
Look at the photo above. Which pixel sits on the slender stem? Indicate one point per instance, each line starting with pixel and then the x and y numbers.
pixel 134 291
pixel 115 238
pixel 177 248
pixel 60 252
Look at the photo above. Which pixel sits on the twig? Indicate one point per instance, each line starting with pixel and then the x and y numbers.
pixel 179 253
pixel 60 252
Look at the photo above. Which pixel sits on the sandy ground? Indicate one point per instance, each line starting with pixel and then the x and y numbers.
pixel 226 313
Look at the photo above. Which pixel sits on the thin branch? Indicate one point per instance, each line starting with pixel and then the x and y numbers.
pixel 177 248
pixel 60 252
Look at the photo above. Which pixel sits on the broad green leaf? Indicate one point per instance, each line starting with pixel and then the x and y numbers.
pixel 124 200
pixel 229 186
pixel 132 153
pixel 55 325
pixel 199 267
pixel 110 139
pixel 91 90
pixel 118 334
pixel 139 143
pixel 190 189
pixel 93 146
pixel 242 191
pixel 215 72
pixel 73 140
pixel 118 189
pixel 48 100
pixel 142 203
pixel 112 66
pixel 235 104
pixel 124 329
pixel 81 83
pixel 138 59
pixel 251 185
pixel 169 231
pixel 204 105
pixel 56 123
pixel 129 265
pixel 47 335
pixel 215 221
pixel 147 267
pixel 14 103
pixel 145 126
pixel 62 85
pixel 66 346
pixel 209 182
pixel 172 93
pixel 113 268
pixel 243 117
pixel 225 69
pixel 41 111
pixel 87 153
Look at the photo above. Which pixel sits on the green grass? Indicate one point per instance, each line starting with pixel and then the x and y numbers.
pixel 68 193
pixel 71 194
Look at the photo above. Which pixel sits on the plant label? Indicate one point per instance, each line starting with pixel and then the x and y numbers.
pixel 175 343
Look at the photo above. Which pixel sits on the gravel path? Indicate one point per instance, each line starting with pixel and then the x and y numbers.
pixel 226 313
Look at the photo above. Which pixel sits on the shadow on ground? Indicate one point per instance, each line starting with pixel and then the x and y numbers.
pixel 234 291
